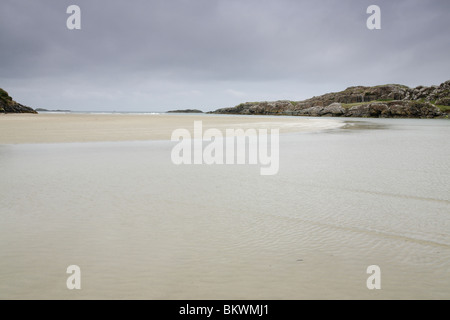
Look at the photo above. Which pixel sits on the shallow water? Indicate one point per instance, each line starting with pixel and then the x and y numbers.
pixel 375 192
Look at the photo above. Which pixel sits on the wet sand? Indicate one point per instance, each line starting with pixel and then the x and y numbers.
pixel 59 128
pixel 141 227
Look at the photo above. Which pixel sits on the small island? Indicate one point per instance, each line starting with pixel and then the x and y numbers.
pixel 185 111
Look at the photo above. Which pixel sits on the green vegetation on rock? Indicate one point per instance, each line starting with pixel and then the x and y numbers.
pixel 8 105
pixel 445 109
pixel 4 96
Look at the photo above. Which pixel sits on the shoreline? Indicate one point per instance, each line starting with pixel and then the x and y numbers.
pixel 85 127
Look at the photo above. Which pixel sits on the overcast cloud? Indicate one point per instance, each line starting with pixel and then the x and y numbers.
pixel 157 55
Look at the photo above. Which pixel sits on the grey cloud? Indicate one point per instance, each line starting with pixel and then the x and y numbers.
pixel 213 53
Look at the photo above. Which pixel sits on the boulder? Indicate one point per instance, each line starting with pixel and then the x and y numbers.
pixel 335 109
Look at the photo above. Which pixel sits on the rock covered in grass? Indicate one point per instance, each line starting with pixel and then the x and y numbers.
pixel 8 105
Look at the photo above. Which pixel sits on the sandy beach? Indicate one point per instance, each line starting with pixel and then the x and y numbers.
pixel 224 154
pixel 54 128
pixel 141 227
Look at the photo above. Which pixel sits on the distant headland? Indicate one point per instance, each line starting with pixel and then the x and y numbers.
pixel 46 110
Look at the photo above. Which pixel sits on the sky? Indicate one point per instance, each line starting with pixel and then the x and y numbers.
pixel 159 55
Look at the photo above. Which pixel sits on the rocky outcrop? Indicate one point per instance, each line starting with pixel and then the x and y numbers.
pixel 385 101
pixel 8 105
